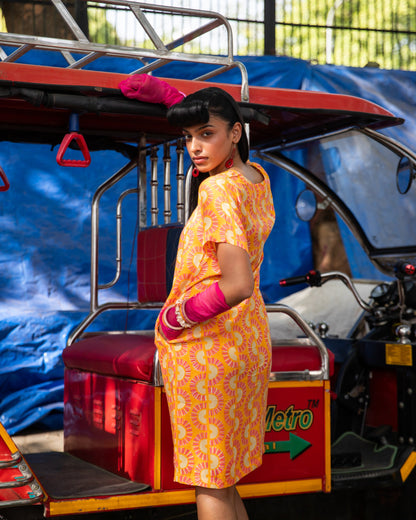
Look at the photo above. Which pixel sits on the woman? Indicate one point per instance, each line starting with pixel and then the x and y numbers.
pixel 212 333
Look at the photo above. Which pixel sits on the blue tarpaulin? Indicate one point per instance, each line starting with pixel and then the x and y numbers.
pixel 45 236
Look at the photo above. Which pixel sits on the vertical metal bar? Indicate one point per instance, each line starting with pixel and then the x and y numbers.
pixel 154 210
pixel 95 229
pixel 349 45
pixel 167 212
pixel 188 179
pixel 269 27
pixel 393 35
pixel 119 219
pixel 304 20
pixel 403 54
pixel 330 22
pixel 142 184
pixel 81 16
pixel 180 182
pixel 292 35
pixel 381 15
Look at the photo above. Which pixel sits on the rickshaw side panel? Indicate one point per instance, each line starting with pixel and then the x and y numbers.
pixel 109 422
pixel 297 434
pixel 122 424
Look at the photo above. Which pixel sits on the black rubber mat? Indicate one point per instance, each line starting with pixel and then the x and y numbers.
pixel 65 476
pixel 353 453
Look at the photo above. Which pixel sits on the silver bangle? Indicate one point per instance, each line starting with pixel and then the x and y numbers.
pixel 165 320
pixel 185 316
pixel 179 317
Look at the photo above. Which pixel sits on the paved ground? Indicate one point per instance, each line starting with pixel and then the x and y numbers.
pixel 35 442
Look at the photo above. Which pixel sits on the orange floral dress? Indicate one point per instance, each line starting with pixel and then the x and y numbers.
pixel 216 373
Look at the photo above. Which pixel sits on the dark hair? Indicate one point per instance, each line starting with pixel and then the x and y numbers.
pixel 199 106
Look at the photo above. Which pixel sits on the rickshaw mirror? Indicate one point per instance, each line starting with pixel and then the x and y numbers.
pixel 405 174
pixel 306 205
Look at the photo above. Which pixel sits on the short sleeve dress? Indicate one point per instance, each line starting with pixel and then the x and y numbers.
pixel 216 373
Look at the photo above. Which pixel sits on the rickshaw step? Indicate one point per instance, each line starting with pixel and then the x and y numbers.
pixel 358 462
pixel 79 478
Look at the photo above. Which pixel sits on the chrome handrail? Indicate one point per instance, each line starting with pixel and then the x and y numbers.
pixel 315 340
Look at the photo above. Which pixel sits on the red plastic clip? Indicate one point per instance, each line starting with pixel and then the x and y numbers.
pixel 66 141
pixel 5 180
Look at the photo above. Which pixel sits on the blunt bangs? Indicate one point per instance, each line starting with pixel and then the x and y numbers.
pixel 197 107
pixel 187 114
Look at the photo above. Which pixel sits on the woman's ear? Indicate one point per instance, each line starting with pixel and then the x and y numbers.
pixel 236 132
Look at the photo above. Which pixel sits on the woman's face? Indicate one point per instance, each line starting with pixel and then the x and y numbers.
pixel 211 144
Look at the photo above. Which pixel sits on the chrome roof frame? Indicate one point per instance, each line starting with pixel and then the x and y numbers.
pixel 161 54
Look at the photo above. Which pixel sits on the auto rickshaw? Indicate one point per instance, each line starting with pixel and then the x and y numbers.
pixel 340 410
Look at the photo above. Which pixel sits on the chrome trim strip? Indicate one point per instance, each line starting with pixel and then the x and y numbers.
pixel 389 142
pixel 16 458
pixel 23 502
pixel 16 483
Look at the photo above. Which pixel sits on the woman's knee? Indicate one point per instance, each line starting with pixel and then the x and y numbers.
pixel 227 493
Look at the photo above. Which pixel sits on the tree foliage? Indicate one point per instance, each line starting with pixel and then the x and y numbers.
pixel 100 29
pixel 348 32
pixel 343 32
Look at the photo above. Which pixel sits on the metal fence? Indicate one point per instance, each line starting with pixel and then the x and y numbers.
pixel 343 32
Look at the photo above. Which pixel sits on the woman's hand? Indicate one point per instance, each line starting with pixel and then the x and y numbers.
pixel 237 281
pixel 168 324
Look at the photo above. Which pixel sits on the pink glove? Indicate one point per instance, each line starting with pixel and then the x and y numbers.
pixel 202 307
pixel 169 323
pixel 206 304
pixel 150 89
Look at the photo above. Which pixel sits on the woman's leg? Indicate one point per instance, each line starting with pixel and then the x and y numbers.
pixel 239 506
pixel 219 504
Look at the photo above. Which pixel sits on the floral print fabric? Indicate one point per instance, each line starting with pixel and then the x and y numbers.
pixel 216 373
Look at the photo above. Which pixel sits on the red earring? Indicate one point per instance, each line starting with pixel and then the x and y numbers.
pixel 195 172
pixel 229 163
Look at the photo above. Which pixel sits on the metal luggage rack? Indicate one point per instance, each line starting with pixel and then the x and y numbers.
pixel 81 51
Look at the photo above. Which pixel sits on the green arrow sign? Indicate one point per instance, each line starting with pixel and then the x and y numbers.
pixel 295 446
